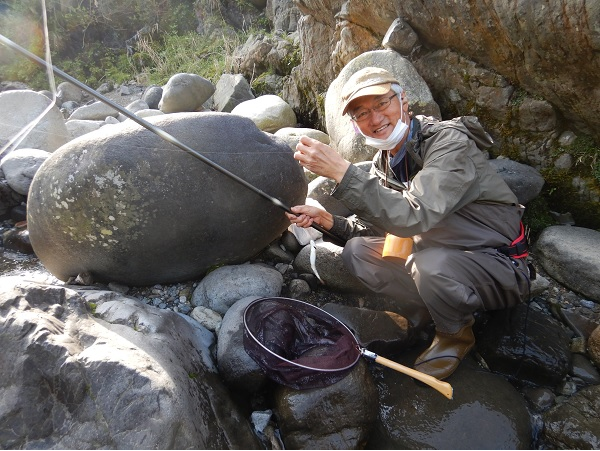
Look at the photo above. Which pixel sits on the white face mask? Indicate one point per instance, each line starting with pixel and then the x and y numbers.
pixel 391 141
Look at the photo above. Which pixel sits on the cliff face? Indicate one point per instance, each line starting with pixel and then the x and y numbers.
pixel 550 49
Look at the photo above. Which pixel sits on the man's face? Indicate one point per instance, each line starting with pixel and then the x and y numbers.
pixel 380 118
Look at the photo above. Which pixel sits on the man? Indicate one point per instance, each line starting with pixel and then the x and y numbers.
pixel 430 182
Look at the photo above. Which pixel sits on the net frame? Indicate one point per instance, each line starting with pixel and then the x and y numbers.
pixel 320 351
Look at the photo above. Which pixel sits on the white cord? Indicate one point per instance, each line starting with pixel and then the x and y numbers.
pixel 313 260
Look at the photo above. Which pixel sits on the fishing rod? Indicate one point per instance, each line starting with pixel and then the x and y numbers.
pixel 161 133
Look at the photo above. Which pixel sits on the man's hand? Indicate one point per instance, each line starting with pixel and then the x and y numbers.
pixel 320 159
pixel 306 215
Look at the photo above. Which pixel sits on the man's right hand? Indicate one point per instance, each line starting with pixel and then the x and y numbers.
pixel 306 215
pixel 320 159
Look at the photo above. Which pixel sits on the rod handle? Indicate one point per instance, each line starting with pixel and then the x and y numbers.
pixel 443 387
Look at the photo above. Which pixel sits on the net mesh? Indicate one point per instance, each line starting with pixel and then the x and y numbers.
pixel 297 344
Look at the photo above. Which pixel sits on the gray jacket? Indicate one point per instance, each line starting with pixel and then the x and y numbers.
pixel 455 197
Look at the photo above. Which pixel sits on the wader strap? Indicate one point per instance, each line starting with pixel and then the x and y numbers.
pixel 519 248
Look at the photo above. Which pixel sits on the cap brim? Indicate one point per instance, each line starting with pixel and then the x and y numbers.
pixel 376 90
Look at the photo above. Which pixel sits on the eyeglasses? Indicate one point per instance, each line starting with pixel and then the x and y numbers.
pixel 381 105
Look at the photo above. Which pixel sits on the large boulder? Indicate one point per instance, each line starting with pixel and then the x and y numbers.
pixel 343 137
pixel 570 255
pixel 21 108
pixel 127 376
pixel 125 206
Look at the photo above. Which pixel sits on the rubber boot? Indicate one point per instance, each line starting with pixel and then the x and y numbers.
pixel 446 352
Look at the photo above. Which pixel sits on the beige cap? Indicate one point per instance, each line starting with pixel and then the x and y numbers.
pixel 366 82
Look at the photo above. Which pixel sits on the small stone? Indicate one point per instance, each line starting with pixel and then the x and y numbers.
pixel 588 304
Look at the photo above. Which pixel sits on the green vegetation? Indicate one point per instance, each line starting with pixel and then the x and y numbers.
pixel 157 61
pixel 586 154
pixel 537 217
pixel 112 40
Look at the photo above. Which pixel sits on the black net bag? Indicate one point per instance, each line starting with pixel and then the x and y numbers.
pixel 297 344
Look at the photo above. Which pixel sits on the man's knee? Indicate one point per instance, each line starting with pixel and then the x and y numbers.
pixel 352 253
pixel 428 262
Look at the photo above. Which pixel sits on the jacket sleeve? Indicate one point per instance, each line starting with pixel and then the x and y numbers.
pixel 446 183
pixel 346 228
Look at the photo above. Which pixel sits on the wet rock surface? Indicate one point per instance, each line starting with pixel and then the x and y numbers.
pixel 493 387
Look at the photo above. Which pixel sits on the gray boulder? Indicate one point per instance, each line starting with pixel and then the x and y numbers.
pixel 486 412
pixel 20 166
pixel 96 111
pixel 382 332
pixel 574 424
pixel 231 90
pixel 525 181
pixel 570 256
pixel 119 378
pixel 68 92
pixel 338 416
pixel 329 266
pixel 224 286
pixel 525 343
pixel 152 96
pixel 78 127
pixel 292 135
pixel 236 367
pixel 137 105
pixel 19 108
pixel 185 92
pixel 125 206
pixel 269 112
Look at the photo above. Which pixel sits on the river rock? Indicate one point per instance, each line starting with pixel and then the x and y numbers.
pixel 594 346
pixel 21 107
pixel 152 96
pixel 269 112
pixel 237 368
pixel 137 105
pixel 343 137
pixel 20 166
pixel 224 286
pixel 292 135
pixel 125 206
pixel 574 424
pixel 525 181
pixel 570 256
pixel 68 92
pixel 338 416
pixel 329 266
pixel 118 378
pixel 381 332
pixel 525 344
pixel 78 127
pixel 231 90
pixel 486 412
pixel 185 92
pixel 96 111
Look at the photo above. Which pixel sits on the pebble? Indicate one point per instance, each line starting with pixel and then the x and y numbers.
pixel 588 304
